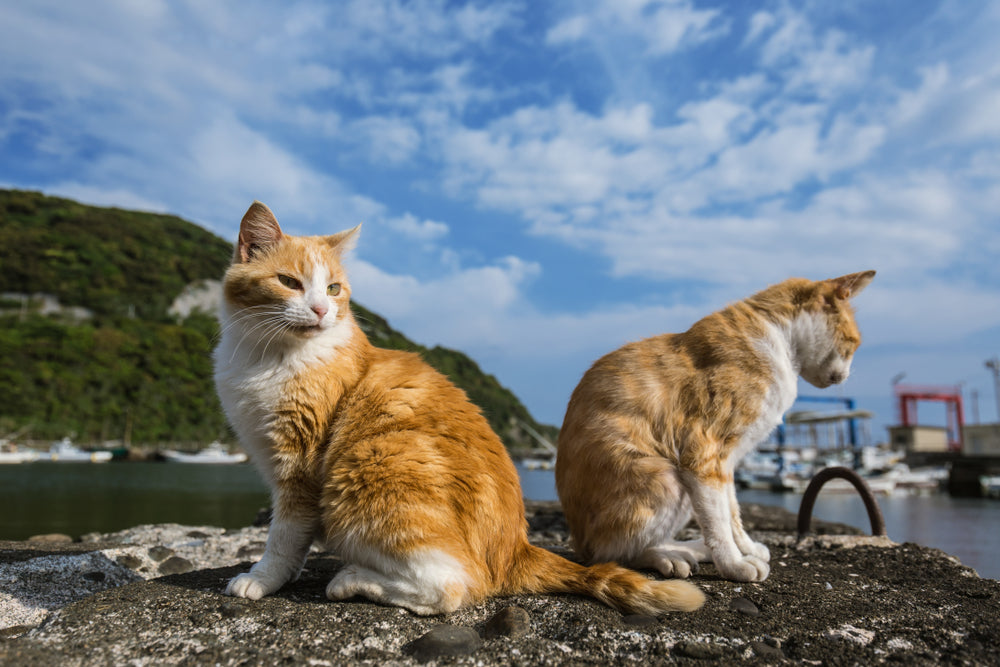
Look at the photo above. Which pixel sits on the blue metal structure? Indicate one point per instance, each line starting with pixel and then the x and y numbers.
pixel 846 401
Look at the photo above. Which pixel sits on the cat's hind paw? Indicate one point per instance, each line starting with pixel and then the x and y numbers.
pixel 247 586
pixel 355 580
pixel 748 568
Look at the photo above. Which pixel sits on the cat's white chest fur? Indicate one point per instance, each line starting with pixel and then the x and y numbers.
pixel 250 381
pixel 780 395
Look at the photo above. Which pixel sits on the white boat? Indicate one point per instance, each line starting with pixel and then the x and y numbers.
pixel 879 484
pixel 990 485
pixel 917 480
pixel 10 453
pixel 65 451
pixel 538 464
pixel 214 453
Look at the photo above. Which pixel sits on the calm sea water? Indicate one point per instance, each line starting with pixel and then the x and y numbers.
pixel 78 498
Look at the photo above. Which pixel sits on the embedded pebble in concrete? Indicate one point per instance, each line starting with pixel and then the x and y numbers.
pixel 744 606
pixel 510 622
pixel 160 553
pixel 699 650
pixel 767 649
pixel 175 565
pixel 444 641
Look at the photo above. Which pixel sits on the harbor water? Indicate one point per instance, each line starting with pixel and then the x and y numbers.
pixel 79 498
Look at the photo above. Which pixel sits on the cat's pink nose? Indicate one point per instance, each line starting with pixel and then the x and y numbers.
pixel 320 309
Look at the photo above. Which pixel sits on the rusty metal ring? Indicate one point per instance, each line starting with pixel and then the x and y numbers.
pixel 824 476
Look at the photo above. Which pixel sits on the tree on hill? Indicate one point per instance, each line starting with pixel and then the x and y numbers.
pixel 118 364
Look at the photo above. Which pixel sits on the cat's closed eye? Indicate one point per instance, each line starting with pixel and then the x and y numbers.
pixel 289 282
pixel 333 289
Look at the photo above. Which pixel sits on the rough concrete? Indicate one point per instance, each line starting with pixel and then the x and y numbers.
pixel 831 600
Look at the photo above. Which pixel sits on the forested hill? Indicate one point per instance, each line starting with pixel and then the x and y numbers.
pixel 89 349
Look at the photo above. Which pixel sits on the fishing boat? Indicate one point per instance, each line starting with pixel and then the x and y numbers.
pixel 65 451
pixel 10 453
pixel 214 453
pixel 990 485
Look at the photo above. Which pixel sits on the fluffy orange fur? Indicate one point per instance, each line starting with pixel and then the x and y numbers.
pixel 379 455
pixel 654 429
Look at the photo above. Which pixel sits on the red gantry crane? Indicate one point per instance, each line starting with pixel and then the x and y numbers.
pixel 908 396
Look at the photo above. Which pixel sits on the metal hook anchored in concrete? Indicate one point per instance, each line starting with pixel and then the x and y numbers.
pixel 824 476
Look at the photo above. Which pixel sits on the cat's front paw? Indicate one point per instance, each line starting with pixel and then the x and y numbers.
pixel 247 586
pixel 748 568
pixel 760 551
pixel 679 564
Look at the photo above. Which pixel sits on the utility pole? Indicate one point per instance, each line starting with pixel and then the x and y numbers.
pixel 994 365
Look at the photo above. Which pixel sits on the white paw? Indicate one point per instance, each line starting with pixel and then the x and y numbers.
pixel 748 568
pixel 678 564
pixel 247 586
pixel 760 551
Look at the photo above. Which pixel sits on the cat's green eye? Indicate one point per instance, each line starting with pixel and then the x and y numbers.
pixel 289 282
pixel 333 289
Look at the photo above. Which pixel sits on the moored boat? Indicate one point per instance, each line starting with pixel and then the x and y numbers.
pixel 65 451
pixel 11 453
pixel 214 453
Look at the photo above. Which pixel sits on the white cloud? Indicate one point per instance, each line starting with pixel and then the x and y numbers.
pixel 568 30
pixel 381 139
pixel 420 230
pixel 662 27
pixel 923 312
pixel 381 28
pixel 463 309
pixel 627 130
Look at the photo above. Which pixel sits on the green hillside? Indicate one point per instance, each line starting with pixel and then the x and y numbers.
pixel 88 348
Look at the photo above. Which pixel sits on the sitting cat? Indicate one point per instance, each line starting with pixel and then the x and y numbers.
pixel 374 452
pixel 654 429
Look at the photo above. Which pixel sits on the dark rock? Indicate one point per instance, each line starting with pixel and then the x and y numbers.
pixel 129 561
pixel 159 553
pixel 766 650
pixel 699 650
pixel 639 620
pixel 94 576
pixel 14 631
pixel 175 565
pixel 198 535
pixel 508 622
pixel 444 641
pixel 250 551
pixel 235 609
pixel 744 606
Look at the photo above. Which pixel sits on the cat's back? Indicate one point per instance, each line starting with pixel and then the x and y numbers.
pixel 400 392
pixel 715 370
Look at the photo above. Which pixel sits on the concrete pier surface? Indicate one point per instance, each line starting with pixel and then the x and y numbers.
pixel 152 595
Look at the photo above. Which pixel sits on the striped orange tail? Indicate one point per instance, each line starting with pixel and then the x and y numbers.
pixel 541 571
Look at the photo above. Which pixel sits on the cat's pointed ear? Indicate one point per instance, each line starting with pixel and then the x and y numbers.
pixel 848 286
pixel 259 230
pixel 343 242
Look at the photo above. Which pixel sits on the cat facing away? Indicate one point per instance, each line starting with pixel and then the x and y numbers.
pixel 654 430
pixel 374 453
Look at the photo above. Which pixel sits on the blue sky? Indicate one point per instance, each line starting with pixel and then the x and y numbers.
pixel 541 182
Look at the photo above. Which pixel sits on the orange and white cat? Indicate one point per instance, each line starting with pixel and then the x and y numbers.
pixel 375 453
pixel 654 429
